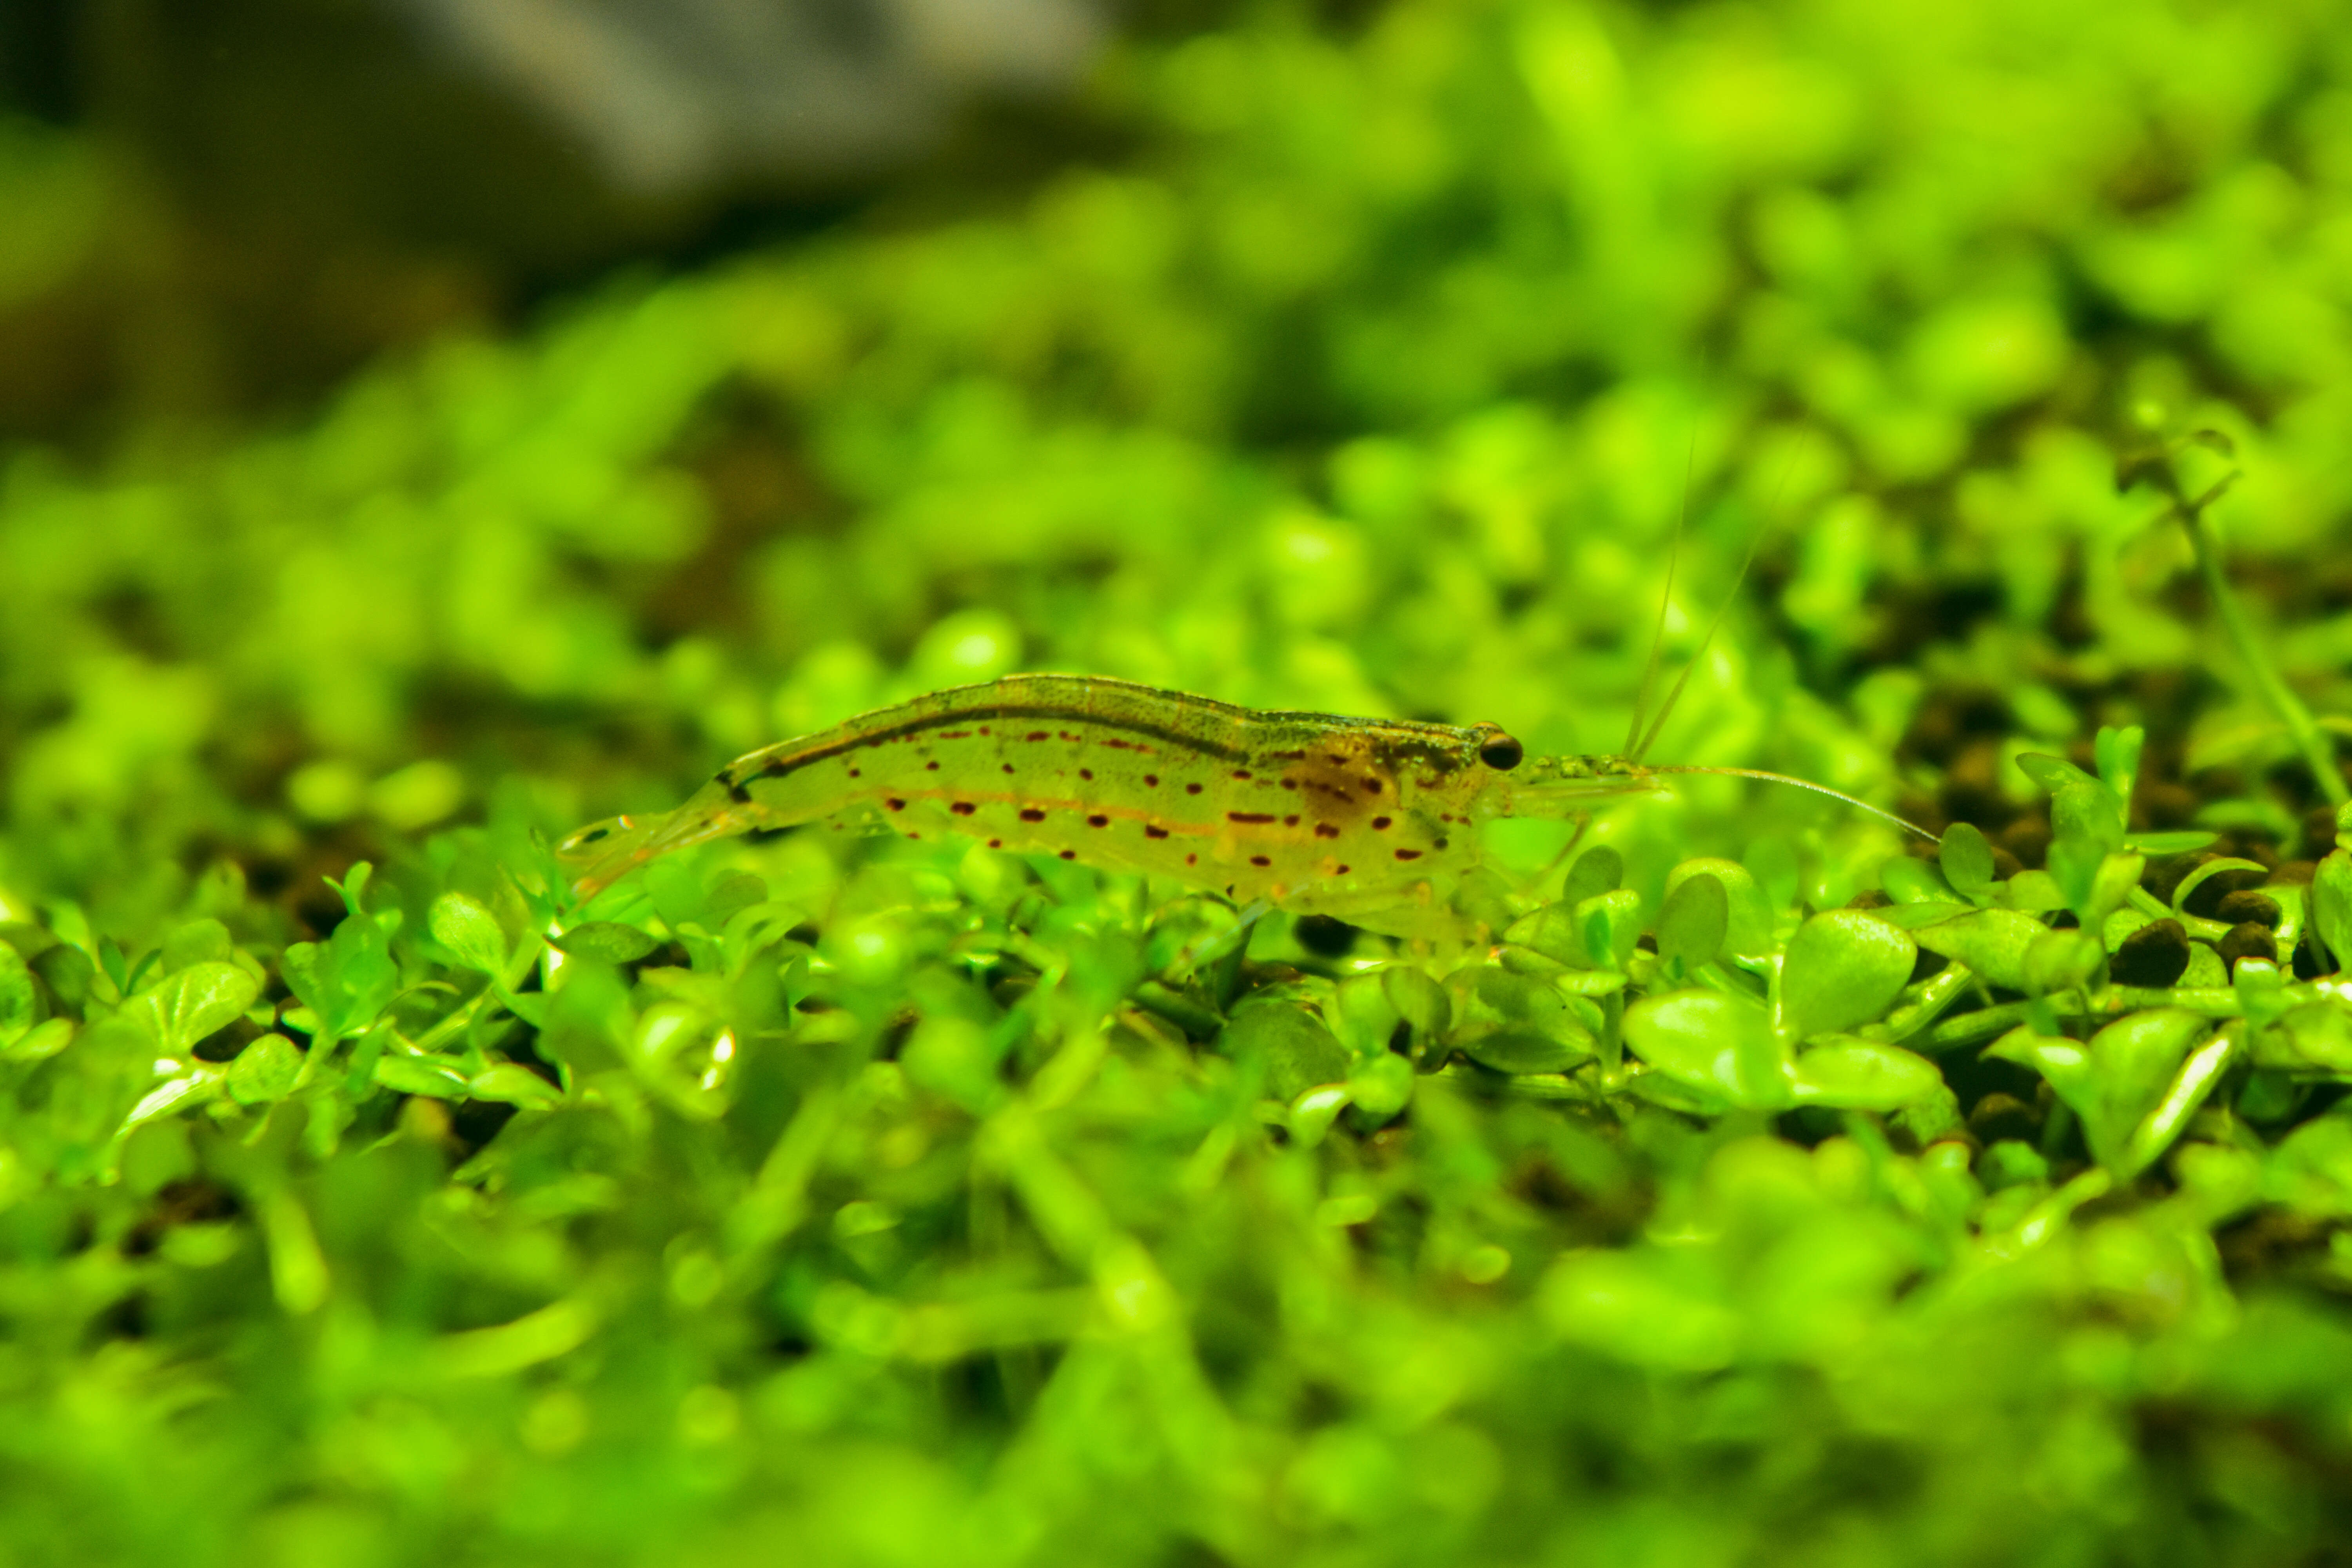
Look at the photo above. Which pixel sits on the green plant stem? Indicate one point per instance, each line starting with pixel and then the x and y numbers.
pixel 1970 1028
pixel 2316 750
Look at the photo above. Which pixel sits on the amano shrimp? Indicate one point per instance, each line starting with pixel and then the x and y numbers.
pixel 1371 821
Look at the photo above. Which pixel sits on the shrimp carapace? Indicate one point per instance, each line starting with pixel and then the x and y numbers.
pixel 1372 821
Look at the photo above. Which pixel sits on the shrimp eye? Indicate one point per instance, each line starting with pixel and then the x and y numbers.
pixel 1502 755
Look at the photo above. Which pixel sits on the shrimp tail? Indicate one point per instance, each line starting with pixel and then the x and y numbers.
pixel 598 855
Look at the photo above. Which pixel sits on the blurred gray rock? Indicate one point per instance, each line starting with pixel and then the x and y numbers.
pixel 671 97
pixel 540 132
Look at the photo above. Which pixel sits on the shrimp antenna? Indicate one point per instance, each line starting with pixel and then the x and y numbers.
pixel 1878 812
pixel 1643 740
pixel 1666 605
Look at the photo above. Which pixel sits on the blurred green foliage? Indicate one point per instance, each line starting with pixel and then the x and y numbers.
pixel 1762 1193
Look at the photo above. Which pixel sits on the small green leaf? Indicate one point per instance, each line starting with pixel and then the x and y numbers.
pixel 1692 923
pixel 419 1074
pixel 1419 1000
pixel 1382 1087
pixel 184 1007
pixel 1909 880
pixel 1911 917
pixel 2034 892
pixel 2128 1071
pixel 1748 924
pixel 346 980
pixel 2086 814
pixel 1599 869
pixel 1521 1023
pixel 2331 905
pixel 1992 942
pixel 2180 843
pixel 1610 924
pixel 198 942
pixel 2060 960
pixel 469 931
pixel 1967 860
pixel 2053 774
pixel 19 1005
pixel 608 941
pixel 1863 1075
pixel 1716 1043
pixel 1288 1043
pixel 956 1058
pixel 265 1070
pixel 2111 884
pixel 514 1085
pixel 1627 1305
pixel 39 1043
pixel 2315 1039
pixel 2117 753
pixel 1844 968
pixel 730 896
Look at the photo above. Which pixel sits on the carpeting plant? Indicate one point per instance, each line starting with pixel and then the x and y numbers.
pixel 1758 1190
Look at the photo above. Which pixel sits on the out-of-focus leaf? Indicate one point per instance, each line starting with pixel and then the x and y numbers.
pixel 1863 1075
pixel 606 941
pixel 267 1069
pixel 1713 1042
pixel 469 931
pixel 1289 1045
pixel 188 1005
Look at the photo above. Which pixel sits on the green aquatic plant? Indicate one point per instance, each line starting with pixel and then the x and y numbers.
pixel 1755 1189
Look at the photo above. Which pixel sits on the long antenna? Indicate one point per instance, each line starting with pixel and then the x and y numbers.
pixel 1879 812
pixel 1642 741
pixel 1665 603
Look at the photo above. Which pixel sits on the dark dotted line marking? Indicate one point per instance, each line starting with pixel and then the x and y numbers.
pixel 1069 854
pixel 932 767
pixel 1291 821
pixel 1087 774
pixel 1380 824
pixel 1325 830
pixel 1192 789
pixel 1098 821
pixel 894 804
pixel 1249 816
pixel 1260 860
pixel 1240 772
pixel 1008 767
pixel 962 808
pixel 1151 779
pixel 1153 830
pixel 1031 813
pixel 1408 854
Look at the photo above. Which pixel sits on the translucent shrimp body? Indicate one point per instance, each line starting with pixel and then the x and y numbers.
pixel 1372 821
